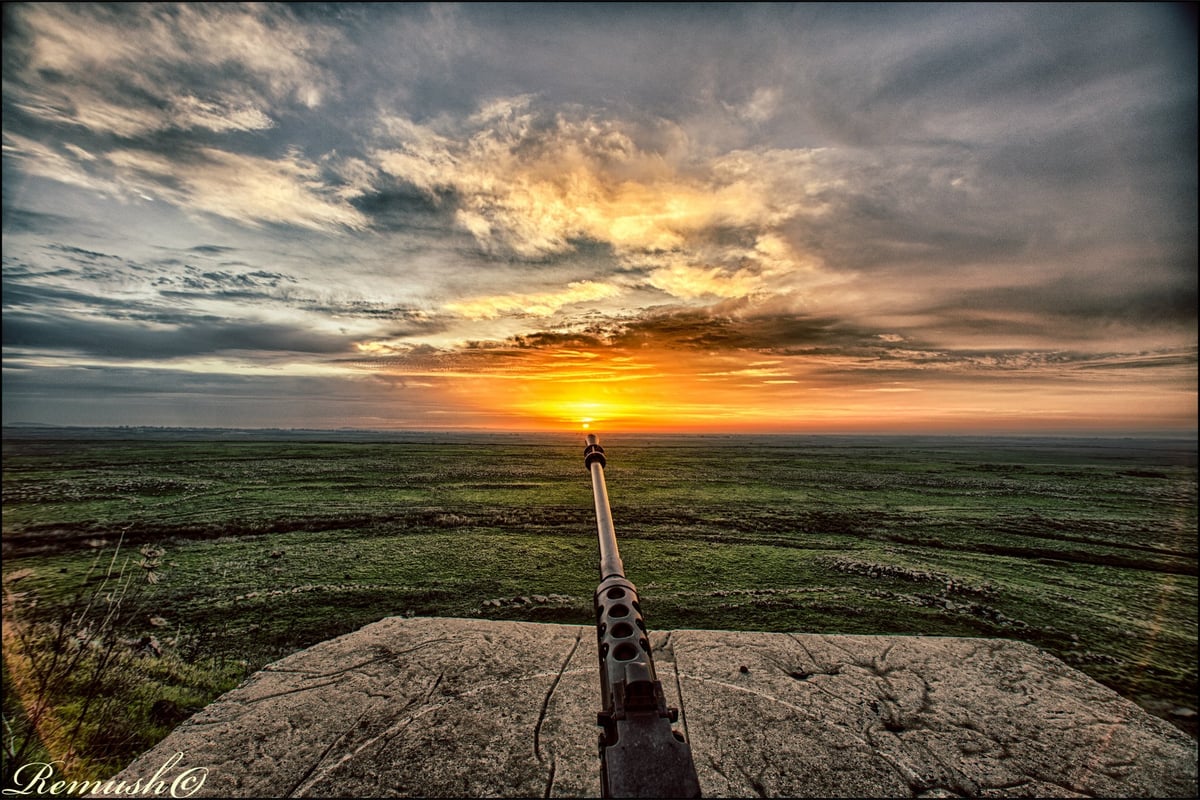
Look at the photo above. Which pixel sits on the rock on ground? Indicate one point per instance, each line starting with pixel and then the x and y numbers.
pixel 473 708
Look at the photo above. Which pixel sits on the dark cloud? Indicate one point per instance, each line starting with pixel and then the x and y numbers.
pixel 395 205
pixel 255 279
pixel 16 270
pixel 1147 361
pixel 701 330
pixel 1069 301
pixel 24 295
pixel 79 252
pixel 117 339
pixel 19 220
pixel 541 340
pixel 134 396
pixel 181 295
pixel 893 224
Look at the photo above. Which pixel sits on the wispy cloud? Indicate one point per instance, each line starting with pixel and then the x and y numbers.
pixel 245 188
pixel 215 67
pixel 537 304
pixel 241 187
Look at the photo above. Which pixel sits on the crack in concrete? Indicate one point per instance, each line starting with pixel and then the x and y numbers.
pixel 927 702
pixel 822 669
pixel 803 675
pixel 537 730
pixel 1067 787
pixel 679 693
pixel 819 687
pixel 754 781
pixel 1017 784
pixel 436 683
pixel 747 690
pixel 912 779
pixel 386 740
pixel 878 664
pixel 386 736
pixel 717 768
pixel 550 777
pixel 398 727
pixel 260 698
pixel 317 761
pixel 830 642
pixel 390 654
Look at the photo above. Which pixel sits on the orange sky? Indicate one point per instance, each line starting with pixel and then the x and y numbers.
pixel 683 391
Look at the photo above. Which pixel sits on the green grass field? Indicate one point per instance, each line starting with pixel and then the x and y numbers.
pixel 1087 548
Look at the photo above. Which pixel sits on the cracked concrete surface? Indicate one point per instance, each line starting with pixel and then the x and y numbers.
pixel 473 708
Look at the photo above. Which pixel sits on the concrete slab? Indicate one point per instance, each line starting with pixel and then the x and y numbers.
pixel 473 708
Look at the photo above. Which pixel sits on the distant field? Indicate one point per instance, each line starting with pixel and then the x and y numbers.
pixel 245 550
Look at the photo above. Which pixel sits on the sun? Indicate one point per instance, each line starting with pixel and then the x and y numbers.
pixel 556 407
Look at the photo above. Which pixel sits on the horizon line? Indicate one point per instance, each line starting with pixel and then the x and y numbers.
pixel 1071 433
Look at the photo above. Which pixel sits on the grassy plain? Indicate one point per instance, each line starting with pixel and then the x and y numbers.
pixel 1087 548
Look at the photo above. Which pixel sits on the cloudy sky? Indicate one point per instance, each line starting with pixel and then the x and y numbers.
pixel 962 218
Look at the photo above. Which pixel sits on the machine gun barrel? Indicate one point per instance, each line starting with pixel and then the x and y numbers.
pixel 641 755
pixel 610 556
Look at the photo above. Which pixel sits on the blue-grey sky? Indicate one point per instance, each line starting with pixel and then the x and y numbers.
pixel 794 217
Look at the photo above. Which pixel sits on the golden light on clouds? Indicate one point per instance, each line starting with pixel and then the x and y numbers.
pixel 537 304
pixel 535 192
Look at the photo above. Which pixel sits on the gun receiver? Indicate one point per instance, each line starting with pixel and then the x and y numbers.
pixel 641 755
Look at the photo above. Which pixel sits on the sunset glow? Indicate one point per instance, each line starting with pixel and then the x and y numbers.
pixel 459 217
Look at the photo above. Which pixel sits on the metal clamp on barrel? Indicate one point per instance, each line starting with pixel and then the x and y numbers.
pixel 593 452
